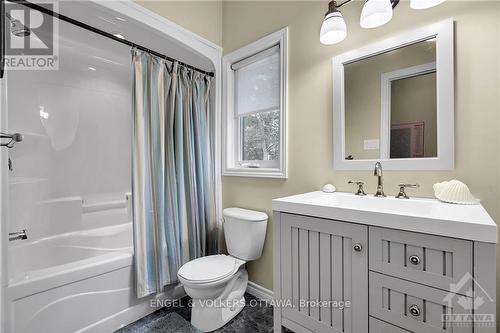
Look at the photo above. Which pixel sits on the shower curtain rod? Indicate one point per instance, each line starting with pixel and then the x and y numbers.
pixel 105 34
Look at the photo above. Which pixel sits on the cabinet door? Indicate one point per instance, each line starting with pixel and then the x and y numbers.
pixel 324 275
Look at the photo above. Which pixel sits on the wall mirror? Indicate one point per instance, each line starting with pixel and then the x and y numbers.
pixel 394 102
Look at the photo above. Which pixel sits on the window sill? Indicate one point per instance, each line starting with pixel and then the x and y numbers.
pixel 255 172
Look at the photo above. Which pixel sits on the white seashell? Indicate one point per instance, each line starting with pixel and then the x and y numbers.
pixel 329 188
pixel 455 192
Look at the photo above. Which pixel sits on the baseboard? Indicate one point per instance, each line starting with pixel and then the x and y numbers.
pixel 259 292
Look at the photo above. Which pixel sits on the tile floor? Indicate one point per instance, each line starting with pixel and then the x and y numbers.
pixel 252 319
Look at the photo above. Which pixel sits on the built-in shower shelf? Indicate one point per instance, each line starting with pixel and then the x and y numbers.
pixel 25 180
pixel 95 206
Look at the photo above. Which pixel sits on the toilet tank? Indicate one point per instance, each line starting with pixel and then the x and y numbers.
pixel 244 231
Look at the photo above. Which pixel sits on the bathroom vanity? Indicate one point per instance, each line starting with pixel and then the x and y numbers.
pixel 346 263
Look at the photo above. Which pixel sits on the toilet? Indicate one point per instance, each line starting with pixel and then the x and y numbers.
pixel 217 283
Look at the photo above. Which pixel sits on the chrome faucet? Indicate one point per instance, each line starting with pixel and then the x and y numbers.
pixel 380 183
pixel 18 235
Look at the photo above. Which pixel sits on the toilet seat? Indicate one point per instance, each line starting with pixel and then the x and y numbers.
pixel 209 269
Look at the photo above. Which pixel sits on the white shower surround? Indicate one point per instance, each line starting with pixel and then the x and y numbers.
pixel 52 280
pixel 101 270
pixel 55 282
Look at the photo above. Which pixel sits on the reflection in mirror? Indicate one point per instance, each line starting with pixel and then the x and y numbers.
pixel 413 116
pixel 390 104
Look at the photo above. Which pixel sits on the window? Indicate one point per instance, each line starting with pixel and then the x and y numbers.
pixel 255 108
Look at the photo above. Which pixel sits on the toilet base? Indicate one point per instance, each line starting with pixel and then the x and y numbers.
pixel 210 314
pixel 214 316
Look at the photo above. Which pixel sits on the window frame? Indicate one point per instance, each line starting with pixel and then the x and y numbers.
pixel 232 138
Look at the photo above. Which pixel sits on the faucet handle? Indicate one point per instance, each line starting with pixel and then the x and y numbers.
pixel 360 184
pixel 402 186
pixel 18 235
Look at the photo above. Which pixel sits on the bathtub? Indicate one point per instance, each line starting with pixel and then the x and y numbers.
pixel 80 281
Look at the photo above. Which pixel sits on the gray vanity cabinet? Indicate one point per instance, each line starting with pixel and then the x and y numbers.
pixel 324 262
pixel 396 281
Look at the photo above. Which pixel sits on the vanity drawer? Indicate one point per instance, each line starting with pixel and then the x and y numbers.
pixel 427 259
pixel 379 326
pixel 415 307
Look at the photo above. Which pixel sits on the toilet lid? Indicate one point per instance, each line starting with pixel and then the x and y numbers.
pixel 245 214
pixel 208 268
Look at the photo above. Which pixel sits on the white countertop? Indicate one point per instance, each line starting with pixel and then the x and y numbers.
pixel 429 216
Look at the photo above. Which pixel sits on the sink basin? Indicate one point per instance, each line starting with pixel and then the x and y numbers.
pixel 371 203
pixel 421 215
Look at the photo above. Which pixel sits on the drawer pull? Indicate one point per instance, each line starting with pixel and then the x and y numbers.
pixel 414 259
pixel 357 247
pixel 415 310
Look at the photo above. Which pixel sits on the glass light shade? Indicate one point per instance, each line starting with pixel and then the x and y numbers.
pixel 375 13
pixel 333 29
pixel 423 4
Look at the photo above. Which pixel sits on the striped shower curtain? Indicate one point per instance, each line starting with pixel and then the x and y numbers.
pixel 173 180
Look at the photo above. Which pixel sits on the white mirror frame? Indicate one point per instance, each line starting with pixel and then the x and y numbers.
pixel 445 160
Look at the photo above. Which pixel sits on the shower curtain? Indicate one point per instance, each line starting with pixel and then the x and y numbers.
pixel 173 181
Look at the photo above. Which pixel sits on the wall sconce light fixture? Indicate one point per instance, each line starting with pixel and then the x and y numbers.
pixel 375 13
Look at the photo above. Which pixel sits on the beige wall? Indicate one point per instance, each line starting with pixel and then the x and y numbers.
pixel 310 102
pixel 201 17
pixel 477 76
